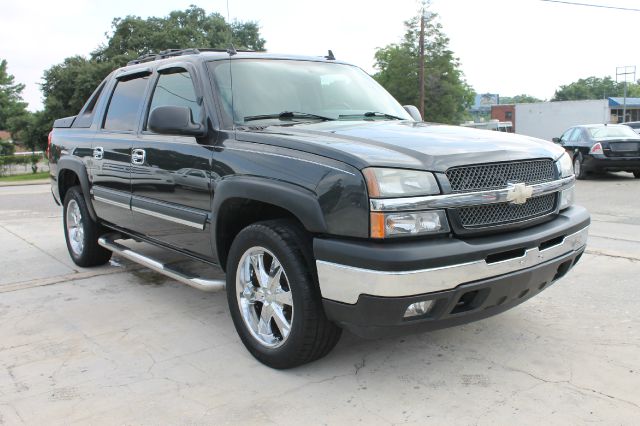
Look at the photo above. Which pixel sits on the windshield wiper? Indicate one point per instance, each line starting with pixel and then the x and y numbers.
pixel 287 114
pixel 373 114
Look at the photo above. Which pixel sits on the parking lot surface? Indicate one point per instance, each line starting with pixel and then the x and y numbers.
pixel 121 344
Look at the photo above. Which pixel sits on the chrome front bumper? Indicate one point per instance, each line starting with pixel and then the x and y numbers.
pixel 345 284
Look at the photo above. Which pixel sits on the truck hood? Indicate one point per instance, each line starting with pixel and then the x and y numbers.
pixel 405 144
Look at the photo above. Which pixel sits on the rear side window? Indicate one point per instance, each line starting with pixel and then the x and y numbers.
pixel 576 136
pixel 176 89
pixel 566 135
pixel 122 113
pixel 85 117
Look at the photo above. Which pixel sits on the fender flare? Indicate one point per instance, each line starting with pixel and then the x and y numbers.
pixel 77 166
pixel 301 202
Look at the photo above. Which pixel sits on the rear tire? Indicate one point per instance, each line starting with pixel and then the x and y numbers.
pixel 636 174
pixel 81 232
pixel 273 297
pixel 578 167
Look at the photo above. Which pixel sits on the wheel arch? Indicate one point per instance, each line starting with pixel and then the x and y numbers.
pixel 241 201
pixel 72 172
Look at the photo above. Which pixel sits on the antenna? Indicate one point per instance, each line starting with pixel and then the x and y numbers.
pixel 330 56
pixel 231 50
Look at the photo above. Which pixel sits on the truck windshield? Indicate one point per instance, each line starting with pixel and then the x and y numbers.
pixel 293 90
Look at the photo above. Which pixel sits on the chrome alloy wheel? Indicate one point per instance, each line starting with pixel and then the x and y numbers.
pixel 75 228
pixel 264 297
pixel 577 166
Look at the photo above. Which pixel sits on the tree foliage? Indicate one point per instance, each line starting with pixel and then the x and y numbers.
pixel 11 103
pixel 31 129
pixel 519 99
pixel 595 88
pixel 133 36
pixel 67 85
pixel 447 94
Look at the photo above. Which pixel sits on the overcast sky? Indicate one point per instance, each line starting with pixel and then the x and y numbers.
pixel 507 47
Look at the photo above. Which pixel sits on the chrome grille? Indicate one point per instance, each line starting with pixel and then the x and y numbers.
pixel 498 175
pixel 504 213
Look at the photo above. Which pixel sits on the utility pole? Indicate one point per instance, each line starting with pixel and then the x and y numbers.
pixel 423 17
pixel 624 72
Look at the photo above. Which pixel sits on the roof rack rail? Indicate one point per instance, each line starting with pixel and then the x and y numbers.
pixel 153 56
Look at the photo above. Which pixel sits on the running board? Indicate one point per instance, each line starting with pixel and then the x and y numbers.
pixel 108 242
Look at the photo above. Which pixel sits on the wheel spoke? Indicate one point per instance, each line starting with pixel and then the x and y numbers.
pixel 281 321
pixel 275 272
pixel 257 261
pixel 283 297
pixel 249 293
pixel 264 325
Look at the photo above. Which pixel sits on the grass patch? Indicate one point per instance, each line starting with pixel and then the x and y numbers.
pixel 25 177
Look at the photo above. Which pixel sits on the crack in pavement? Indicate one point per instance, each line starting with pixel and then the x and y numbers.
pixel 78 276
pixel 591 235
pixel 615 256
pixel 37 248
pixel 570 383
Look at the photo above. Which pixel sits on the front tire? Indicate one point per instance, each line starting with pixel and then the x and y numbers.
pixel 273 298
pixel 81 232
pixel 578 167
pixel 636 174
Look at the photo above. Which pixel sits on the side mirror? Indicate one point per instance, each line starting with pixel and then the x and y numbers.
pixel 556 140
pixel 413 112
pixel 174 120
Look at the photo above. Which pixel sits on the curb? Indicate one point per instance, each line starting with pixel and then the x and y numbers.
pixel 26 182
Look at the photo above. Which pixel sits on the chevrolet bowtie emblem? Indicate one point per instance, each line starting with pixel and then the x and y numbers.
pixel 519 193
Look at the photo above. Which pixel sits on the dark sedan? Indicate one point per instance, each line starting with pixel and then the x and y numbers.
pixel 602 148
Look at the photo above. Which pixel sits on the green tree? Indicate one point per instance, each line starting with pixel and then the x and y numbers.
pixel 133 36
pixel 447 94
pixel 519 99
pixel 11 103
pixel 67 85
pixel 31 129
pixel 594 88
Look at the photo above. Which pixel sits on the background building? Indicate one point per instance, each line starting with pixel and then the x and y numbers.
pixel 546 120
pixel 617 106
pixel 506 112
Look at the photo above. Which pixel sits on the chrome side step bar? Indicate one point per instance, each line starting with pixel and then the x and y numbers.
pixel 108 242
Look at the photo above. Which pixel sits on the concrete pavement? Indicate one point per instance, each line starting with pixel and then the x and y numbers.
pixel 120 344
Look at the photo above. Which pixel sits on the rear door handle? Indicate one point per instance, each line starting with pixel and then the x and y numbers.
pixel 138 156
pixel 98 153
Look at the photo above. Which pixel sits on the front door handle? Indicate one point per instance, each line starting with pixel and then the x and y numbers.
pixel 138 156
pixel 98 153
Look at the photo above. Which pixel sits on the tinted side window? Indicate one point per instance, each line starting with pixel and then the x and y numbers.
pixel 176 89
pixel 122 113
pixel 576 135
pixel 85 117
pixel 566 135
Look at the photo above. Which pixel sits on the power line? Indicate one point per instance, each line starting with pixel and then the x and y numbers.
pixel 602 6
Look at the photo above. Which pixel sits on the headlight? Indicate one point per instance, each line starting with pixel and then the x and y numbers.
pixel 565 166
pixel 565 170
pixel 384 225
pixel 384 183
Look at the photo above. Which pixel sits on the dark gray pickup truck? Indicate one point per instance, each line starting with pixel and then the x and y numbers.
pixel 327 204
